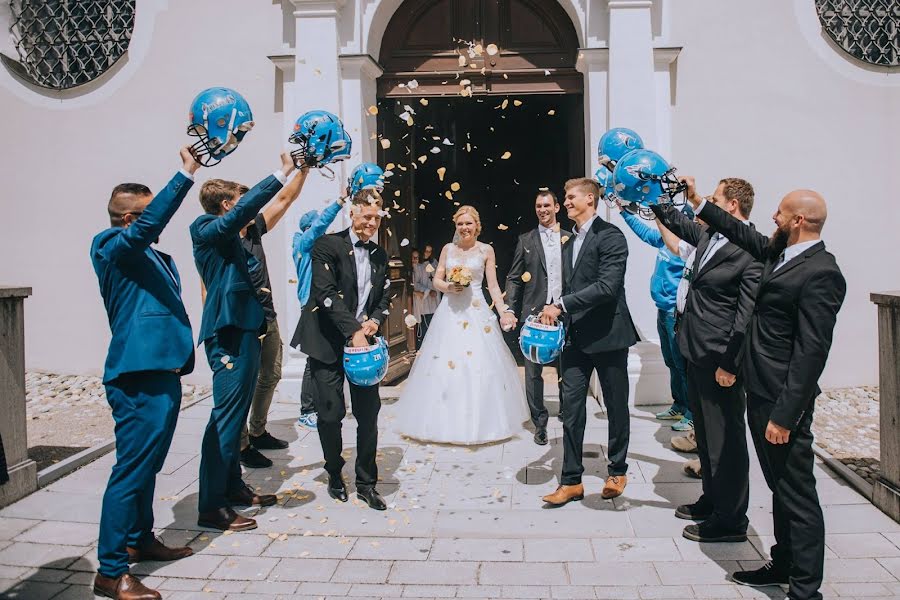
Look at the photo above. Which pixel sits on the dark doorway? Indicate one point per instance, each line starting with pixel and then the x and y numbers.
pixel 543 134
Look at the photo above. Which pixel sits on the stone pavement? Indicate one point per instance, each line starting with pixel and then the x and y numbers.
pixel 464 523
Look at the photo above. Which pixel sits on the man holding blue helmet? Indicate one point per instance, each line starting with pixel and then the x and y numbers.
pixel 539 254
pixel 233 321
pixel 221 118
pixel 151 348
pixel 347 301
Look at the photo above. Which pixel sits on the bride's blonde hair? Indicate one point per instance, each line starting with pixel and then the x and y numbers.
pixel 465 209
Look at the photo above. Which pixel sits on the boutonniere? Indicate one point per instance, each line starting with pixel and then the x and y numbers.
pixel 564 239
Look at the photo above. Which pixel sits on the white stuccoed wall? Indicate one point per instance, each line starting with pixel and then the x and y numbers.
pixel 755 92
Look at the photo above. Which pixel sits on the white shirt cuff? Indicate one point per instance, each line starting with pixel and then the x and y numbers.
pixel 187 175
pixel 280 176
pixel 701 205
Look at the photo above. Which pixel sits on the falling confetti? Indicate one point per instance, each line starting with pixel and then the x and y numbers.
pixel 447 142
pixel 435 150
pixel 517 103
pixel 454 186
pixel 229 366
pixel 564 239
pixel 487 328
pixel 225 359
pixel 502 227
pixel 441 171
pixel 451 364
pixel 385 143
pixel 423 158
pixel 492 49
pixel 412 84
pixel 327 302
pixel 373 110
pixel 505 103
pixel 410 321
pixel 526 276
pixel 429 268
pixel 551 112
pixel 506 155
pixel 449 195
pixel 423 101
pixel 404 243
pixel 462 60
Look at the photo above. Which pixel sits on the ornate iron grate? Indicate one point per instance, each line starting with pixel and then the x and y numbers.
pixel 65 43
pixel 868 30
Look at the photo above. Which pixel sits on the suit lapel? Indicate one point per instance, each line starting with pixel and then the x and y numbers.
pixel 796 261
pixel 721 255
pixel 589 236
pixel 539 244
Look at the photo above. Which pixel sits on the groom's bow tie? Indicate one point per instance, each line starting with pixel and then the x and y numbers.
pixel 362 244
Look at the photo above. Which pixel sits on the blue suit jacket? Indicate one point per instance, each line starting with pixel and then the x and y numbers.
pixel 222 262
pixel 141 290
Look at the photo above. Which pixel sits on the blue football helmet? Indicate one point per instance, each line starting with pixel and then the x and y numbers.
pixel 604 178
pixel 368 365
pixel 541 344
pixel 221 118
pixel 616 143
pixel 643 178
pixel 364 177
pixel 321 138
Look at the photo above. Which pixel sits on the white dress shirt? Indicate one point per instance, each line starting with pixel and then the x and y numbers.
pixel 686 252
pixel 717 240
pixel 363 276
pixel 550 242
pixel 580 233
pixel 794 251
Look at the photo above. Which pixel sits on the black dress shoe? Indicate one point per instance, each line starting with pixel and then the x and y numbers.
pixel 225 519
pixel 768 574
pixel 267 441
pixel 371 497
pixel 540 436
pixel 336 488
pixel 253 459
pixel 248 497
pixel 711 532
pixel 698 511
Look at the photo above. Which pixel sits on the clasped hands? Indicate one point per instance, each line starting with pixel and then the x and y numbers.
pixel 360 338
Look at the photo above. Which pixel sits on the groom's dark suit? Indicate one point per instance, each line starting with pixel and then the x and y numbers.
pixel 327 321
pixel 599 331
pixel 526 299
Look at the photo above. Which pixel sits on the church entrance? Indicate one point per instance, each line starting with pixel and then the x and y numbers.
pixel 480 103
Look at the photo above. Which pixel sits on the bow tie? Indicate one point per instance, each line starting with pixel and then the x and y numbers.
pixel 362 244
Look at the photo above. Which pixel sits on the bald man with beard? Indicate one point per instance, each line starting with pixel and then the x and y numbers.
pixel 800 293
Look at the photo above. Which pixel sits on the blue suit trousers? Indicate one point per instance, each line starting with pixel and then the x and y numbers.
pixel 233 356
pixel 145 408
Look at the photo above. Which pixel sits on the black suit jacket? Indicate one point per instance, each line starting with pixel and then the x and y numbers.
pixel 791 328
pixel 329 318
pixel 529 298
pixel 720 301
pixel 597 316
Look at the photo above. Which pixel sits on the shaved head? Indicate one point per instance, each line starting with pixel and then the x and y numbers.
pixel 127 202
pixel 807 204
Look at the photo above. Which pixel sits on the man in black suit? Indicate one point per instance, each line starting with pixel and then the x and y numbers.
pixel 539 254
pixel 710 334
pixel 599 331
pixel 800 293
pixel 347 301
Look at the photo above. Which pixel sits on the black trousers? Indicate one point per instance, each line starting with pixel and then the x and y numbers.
pixel 612 370
pixel 329 400
pixel 307 392
pixel 721 445
pixel 534 392
pixel 799 526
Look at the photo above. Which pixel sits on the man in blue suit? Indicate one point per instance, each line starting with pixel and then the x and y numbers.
pixel 233 321
pixel 151 348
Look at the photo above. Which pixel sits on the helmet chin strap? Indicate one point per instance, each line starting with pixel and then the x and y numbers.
pixel 327 172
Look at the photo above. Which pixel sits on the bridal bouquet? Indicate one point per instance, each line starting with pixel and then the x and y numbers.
pixel 460 275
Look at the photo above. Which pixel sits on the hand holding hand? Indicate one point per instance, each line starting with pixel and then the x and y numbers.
pixel 189 160
pixel 776 434
pixel 550 314
pixel 724 378
pixel 507 321
pixel 369 328
pixel 359 339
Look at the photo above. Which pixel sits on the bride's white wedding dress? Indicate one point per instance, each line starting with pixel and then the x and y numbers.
pixel 464 386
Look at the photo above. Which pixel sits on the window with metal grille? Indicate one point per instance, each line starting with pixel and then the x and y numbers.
pixel 62 44
pixel 868 30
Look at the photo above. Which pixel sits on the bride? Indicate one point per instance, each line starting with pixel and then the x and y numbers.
pixel 464 387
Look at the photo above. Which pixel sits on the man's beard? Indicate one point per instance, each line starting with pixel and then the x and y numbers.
pixel 778 242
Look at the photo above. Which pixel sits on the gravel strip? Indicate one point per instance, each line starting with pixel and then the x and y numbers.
pixel 846 425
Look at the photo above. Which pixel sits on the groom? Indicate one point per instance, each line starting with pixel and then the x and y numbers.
pixel 347 301
pixel 599 331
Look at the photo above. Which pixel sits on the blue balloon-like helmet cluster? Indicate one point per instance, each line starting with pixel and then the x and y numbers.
pixel 616 143
pixel 541 344
pixel 368 365
pixel 365 177
pixel 220 117
pixel 322 139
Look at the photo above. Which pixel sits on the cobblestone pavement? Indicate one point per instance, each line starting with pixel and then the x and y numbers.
pixel 71 410
pixel 846 425
pixel 465 523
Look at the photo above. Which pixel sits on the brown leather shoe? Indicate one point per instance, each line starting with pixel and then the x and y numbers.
pixel 615 485
pixel 565 494
pixel 124 587
pixel 156 550
pixel 247 497
pixel 225 519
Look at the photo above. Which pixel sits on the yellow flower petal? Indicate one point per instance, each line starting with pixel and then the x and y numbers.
pixel 454 186
pixel 373 110
pixel 385 143
pixel 492 49
pixel 502 227
pixel 526 276
pixel 423 101
pixel 487 328
pixel 440 172
pixel 517 103
pixel 505 156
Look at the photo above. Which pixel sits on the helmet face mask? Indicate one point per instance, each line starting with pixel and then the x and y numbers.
pixel 220 118
pixel 643 178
